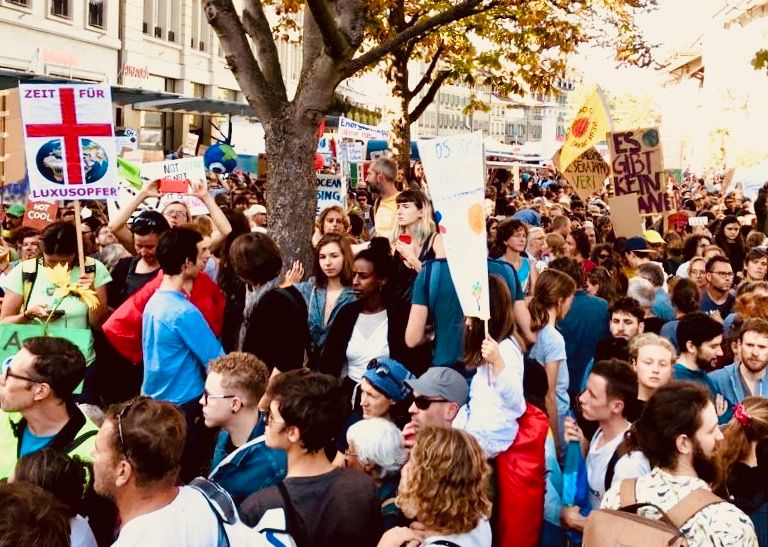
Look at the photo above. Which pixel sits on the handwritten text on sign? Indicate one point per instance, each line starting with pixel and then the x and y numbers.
pixel 330 191
pixel 69 141
pixel 637 166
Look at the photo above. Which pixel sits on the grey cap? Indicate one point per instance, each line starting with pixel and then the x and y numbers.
pixel 442 382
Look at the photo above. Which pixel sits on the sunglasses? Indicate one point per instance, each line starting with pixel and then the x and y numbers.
pixel 144 224
pixel 7 373
pixel 602 256
pixel 423 403
pixel 120 415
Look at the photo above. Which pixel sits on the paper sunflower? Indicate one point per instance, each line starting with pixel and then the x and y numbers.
pixel 59 276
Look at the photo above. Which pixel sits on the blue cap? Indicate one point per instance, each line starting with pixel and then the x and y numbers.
pixel 528 216
pixel 389 376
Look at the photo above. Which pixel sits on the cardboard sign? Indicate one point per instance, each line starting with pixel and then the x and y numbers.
pixel 190 144
pixel 727 180
pixel 195 206
pixel 625 215
pixel 69 141
pixel 39 214
pixel 455 169
pixel 637 167
pixel 12 335
pixel 331 190
pixel 587 173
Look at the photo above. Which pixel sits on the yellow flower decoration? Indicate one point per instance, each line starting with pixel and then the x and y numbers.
pixel 59 276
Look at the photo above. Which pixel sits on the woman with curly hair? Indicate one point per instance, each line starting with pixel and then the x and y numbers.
pixel 332 220
pixel 444 486
pixel 742 462
pixel 600 283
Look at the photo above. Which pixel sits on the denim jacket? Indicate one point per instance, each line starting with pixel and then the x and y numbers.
pixel 248 468
pixel 729 383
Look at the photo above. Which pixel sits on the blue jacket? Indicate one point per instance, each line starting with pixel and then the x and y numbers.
pixel 729 384
pixel 583 327
pixel 248 468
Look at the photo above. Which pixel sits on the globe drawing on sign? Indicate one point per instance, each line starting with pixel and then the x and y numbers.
pixel 651 138
pixel 50 161
pixel 95 160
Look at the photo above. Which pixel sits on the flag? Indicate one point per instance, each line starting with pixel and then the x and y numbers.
pixel 592 122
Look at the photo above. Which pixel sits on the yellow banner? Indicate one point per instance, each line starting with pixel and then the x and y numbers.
pixel 589 127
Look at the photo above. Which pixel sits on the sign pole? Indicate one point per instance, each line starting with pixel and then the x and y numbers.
pixel 79 228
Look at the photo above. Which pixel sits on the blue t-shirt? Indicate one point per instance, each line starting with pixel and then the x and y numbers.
pixel 177 344
pixel 550 347
pixel 583 327
pixel 683 373
pixel 32 443
pixel 446 309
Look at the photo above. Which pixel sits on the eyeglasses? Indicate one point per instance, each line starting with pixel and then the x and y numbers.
pixel 120 416
pixel 269 417
pixel 207 396
pixel 723 274
pixel 175 214
pixel 423 403
pixel 7 373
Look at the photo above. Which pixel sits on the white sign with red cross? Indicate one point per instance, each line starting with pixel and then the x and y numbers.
pixel 69 141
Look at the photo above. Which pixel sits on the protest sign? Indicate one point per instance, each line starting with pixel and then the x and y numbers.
pixel 12 336
pixel 69 141
pixel 331 190
pixel 349 129
pixel 625 215
pixel 592 122
pixel 678 222
pixel 587 173
pixel 190 144
pixel 454 167
pixel 39 214
pixel 637 167
pixel 727 180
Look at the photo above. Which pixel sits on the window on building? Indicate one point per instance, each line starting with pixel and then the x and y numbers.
pixel 161 19
pixel 60 8
pixel 96 13
pixel 24 3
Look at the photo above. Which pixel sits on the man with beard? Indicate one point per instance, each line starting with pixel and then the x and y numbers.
pixel 678 432
pixel 717 298
pixel 611 392
pixel 699 338
pixel 746 376
pixel 382 175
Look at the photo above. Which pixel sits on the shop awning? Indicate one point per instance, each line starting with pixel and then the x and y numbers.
pixel 141 99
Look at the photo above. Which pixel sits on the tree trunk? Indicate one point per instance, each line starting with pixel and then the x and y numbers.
pixel 291 185
pixel 400 141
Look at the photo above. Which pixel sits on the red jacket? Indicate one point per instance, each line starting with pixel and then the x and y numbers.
pixel 123 328
pixel 520 478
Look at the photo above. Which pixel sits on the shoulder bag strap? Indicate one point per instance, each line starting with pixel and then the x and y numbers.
pixel 627 494
pixel 28 282
pixel 611 469
pixel 77 441
pixel 691 504
pixel 295 525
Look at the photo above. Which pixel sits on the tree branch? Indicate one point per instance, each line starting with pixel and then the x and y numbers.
pixel 427 99
pixel 335 42
pixel 257 26
pixel 428 74
pixel 459 11
pixel 223 17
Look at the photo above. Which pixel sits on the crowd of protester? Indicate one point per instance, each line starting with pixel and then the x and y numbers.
pixel 218 395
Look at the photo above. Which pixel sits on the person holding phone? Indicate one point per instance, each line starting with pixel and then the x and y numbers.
pixel 29 291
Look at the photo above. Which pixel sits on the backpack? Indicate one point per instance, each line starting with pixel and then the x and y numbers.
pixel 282 526
pixel 231 530
pixel 607 528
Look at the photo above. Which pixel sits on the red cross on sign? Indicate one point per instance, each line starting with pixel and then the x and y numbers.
pixel 70 131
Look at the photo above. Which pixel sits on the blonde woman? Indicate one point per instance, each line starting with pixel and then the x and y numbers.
pixel 444 486
pixel 415 237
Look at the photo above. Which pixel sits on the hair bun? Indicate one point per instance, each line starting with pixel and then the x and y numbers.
pixel 380 245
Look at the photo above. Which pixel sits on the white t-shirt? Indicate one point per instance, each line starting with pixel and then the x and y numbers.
pixel 368 341
pixel 597 463
pixel 479 537
pixel 188 521
pixel 631 466
pixel 80 533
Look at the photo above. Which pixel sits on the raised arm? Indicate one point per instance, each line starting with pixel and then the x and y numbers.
pixel 119 224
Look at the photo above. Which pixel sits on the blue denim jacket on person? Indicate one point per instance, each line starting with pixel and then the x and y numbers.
pixel 314 297
pixel 250 467
pixel 728 382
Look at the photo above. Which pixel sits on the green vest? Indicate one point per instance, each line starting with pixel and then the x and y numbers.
pixel 76 438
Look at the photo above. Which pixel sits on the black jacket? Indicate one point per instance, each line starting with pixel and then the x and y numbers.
pixel 334 354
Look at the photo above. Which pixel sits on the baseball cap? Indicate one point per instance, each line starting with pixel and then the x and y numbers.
pixel 389 376
pixel 652 236
pixel 442 382
pixel 528 216
pixel 255 210
pixel 16 210
pixel 635 244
